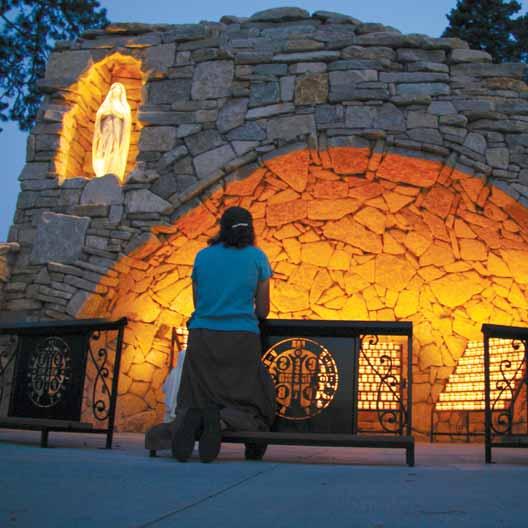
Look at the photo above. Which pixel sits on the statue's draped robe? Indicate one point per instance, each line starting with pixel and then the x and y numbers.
pixel 111 139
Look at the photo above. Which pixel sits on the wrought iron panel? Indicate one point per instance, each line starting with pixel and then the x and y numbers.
pixel 8 348
pixel 61 374
pixel 49 377
pixel 340 376
pixel 381 372
pixel 314 382
pixel 506 380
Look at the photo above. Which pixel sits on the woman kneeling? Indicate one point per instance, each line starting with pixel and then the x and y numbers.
pixel 224 384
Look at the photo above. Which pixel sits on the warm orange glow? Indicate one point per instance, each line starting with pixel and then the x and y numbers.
pixel 409 239
pixel 111 139
pixel 465 388
pixel 74 155
pixel 374 363
pixel 182 337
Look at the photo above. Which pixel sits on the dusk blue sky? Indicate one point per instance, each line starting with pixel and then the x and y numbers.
pixel 409 16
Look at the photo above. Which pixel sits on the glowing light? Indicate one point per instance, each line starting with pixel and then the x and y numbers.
pixel 182 337
pixel 373 393
pixel 465 388
pixel 111 139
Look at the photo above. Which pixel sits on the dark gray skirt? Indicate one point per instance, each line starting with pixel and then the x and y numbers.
pixel 224 369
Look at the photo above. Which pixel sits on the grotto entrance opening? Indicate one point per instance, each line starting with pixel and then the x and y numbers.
pixel 352 235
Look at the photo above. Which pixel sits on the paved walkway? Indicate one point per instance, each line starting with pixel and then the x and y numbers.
pixel 76 484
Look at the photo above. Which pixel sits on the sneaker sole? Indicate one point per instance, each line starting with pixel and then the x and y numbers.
pixel 211 439
pixel 182 442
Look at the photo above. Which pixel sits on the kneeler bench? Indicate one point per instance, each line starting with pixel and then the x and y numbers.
pixel 324 440
pixel 45 426
pixel 338 384
pixel 160 438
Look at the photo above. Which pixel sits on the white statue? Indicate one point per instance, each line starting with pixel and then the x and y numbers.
pixel 111 138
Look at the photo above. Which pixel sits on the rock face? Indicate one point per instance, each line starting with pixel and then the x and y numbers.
pixel 383 171
pixel 59 238
pixel 345 247
pixel 102 191
pixel 7 257
pixel 212 79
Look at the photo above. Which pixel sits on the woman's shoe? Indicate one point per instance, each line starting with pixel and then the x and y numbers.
pixel 184 435
pixel 211 438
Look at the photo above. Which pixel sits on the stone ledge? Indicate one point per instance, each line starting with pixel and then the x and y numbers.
pixel 280 14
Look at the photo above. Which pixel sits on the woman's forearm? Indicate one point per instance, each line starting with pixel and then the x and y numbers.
pixel 262 300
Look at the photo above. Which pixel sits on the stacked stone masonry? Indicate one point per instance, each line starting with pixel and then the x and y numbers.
pixel 387 173
pixel 7 257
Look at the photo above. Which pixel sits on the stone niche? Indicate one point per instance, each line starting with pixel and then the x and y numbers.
pixel 387 175
pixel 73 157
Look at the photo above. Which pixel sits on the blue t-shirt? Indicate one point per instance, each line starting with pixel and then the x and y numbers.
pixel 226 281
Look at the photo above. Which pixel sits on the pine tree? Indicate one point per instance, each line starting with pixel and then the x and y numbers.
pixel 488 25
pixel 28 31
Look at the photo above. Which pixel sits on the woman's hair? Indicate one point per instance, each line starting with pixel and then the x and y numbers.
pixel 236 229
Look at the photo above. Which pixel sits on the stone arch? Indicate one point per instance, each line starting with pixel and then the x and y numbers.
pixel 74 155
pixel 352 233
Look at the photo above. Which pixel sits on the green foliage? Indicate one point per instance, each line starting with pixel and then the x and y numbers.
pixel 28 30
pixel 488 25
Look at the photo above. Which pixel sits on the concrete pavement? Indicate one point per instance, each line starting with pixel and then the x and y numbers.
pixel 77 484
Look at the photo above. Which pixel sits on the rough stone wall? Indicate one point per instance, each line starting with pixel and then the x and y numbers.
pixel 416 240
pixel 7 258
pixel 220 101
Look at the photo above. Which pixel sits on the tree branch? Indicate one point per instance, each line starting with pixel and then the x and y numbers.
pixel 12 25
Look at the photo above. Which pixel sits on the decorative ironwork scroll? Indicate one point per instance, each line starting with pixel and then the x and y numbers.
pixel 101 392
pixel 505 379
pixel 49 372
pixel 7 362
pixel 386 383
pixel 506 389
pixel 340 377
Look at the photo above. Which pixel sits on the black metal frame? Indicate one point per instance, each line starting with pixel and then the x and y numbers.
pixel 392 422
pixel 499 422
pixel 396 426
pixel 104 394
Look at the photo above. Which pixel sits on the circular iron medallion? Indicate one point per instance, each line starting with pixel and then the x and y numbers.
pixel 49 372
pixel 305 377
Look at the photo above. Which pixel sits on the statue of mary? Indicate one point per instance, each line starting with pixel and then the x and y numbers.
pixel 111 138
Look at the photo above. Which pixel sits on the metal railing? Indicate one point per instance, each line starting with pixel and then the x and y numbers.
pixel 61 376
pixel 358 372
pixel 505 425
